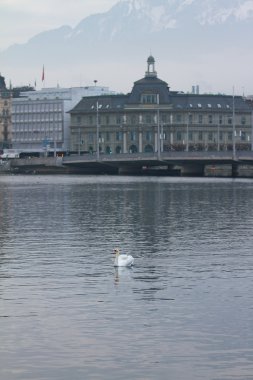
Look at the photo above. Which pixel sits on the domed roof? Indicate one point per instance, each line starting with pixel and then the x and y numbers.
pixel 151 59
pixel 150 84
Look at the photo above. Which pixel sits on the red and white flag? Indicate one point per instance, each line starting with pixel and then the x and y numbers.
pixel 43 74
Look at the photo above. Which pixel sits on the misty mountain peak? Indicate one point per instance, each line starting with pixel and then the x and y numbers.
pixel 165 14
pixel 219 12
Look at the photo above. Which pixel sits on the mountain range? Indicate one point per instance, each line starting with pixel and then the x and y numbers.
pixel 204 42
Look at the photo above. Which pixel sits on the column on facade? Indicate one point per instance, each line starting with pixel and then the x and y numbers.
pixel 218 133
pixel 171 133
pixel 124 142
pixel 156 142
pixel 162 137
pixel 140 134
pixel 140 142
pixel 171 138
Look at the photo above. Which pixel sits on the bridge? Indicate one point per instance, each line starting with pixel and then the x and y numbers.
pixel 167 163
pixel 194 163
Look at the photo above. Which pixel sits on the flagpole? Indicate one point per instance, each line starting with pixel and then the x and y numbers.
pixel 43 76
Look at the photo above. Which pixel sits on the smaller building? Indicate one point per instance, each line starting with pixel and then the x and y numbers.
pixel 5 115
pixel 40 121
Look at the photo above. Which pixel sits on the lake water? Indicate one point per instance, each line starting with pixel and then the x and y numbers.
pixel 183 312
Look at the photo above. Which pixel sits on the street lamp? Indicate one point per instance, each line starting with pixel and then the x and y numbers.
pixel 233 121
pixel 79 141
pixel 187 133
pixel 252 131
pixel 158 130
pixel 54 137
pixel 97 133
pixel 218 137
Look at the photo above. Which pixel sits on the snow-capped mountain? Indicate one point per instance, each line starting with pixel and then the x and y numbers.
pixel 192 41
pixel 166 14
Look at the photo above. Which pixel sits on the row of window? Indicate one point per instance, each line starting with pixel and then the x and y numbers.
pixel 149 99
pixel 154 99
pixel 109 136
pixel 38 107
pixel 119 149
pixel 165 119
pixel 209 105
pixel 211 136
pixel 26 136
pixel 19 118
pixel 178 136
pixel 28 128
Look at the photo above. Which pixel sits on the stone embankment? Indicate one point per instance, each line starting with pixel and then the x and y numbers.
pixel 34 165
pixel 4 167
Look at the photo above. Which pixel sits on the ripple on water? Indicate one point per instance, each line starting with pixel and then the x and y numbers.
pixel 184 311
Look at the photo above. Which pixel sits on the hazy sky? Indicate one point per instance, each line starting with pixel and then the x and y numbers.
pixel 22 19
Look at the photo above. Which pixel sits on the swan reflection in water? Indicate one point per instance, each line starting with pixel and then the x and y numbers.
pixel 122 273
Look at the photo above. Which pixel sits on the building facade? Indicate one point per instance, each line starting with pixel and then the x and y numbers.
pixel 153 118
pixel 40 121
pixel 5 115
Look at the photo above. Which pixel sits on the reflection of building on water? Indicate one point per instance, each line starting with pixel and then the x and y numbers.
pixel 4 213
pixel 145 282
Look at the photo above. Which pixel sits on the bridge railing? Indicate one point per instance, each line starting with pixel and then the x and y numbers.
pixel 177 155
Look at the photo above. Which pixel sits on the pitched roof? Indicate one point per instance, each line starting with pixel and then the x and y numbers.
pixel 105 103
pixel 208 102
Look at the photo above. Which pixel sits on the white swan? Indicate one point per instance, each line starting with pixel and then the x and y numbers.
pixel 122 260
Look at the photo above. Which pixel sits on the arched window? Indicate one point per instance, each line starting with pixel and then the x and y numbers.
pixel 148 149
pixel 133 149
pixel 108 150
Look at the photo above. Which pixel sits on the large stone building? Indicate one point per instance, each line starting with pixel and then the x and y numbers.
pixel 40 122
pixel 5 115
pixel 153 118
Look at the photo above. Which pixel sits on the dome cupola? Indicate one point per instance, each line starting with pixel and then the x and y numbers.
pixel 151 67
